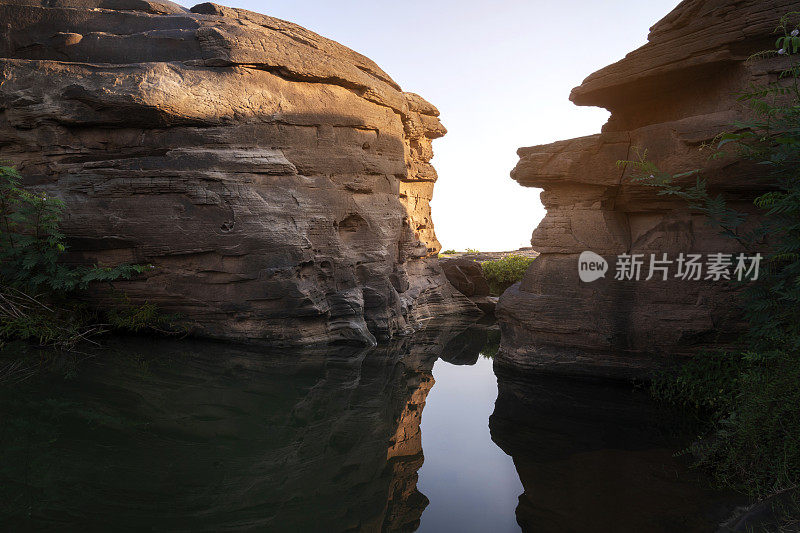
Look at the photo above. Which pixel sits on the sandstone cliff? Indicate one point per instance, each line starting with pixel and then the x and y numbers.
pixel 670 96
pixel 279 181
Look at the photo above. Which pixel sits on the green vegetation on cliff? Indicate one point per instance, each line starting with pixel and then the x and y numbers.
pixel 38 290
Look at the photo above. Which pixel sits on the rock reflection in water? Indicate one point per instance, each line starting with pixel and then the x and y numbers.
pixel 180 435
pixel 598 457
pixel 167 435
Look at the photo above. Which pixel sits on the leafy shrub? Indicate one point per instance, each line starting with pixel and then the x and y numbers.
pixel 127 316
pixel 36 286
pixel 751 408
pixel 27 318
pixel 708 382
pixel 449 252
pixel 473 251
pixel 756 446
pixel 31 243
pixel 503 273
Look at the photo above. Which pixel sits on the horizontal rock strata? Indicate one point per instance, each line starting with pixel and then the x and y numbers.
pixel 278 181
pixel 669 97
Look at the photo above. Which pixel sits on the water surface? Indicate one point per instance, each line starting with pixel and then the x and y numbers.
pixel 180 435
pixel 469 480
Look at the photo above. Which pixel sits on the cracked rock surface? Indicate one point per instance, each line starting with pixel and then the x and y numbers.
pixel 279 181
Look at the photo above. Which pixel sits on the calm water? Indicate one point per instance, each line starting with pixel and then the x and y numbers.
pixel 465 474
pixel 169 435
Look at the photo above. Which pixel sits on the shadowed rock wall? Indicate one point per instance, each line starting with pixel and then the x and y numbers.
pixel 279 181
pixel 670 96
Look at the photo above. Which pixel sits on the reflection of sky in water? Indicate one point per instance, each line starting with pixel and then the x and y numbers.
pixel 471 483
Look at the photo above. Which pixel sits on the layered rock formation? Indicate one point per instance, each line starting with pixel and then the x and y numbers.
pixel 668 97
pixel 278 181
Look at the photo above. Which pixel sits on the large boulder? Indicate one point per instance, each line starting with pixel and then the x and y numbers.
pixel 278 181
pixel 670 96
pixel 467 277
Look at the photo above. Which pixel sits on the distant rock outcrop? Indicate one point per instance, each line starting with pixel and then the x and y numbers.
pixel 669 97
pixel 279 181
pixel 467 276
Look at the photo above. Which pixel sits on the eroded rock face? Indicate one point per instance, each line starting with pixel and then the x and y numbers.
pixel 279 182
pixel 669 97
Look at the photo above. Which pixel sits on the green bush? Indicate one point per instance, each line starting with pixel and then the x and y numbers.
pixel 707 383
pixel 751 409
pixel 449 252
pixel 27 318
pixel 503 273
pixel 127 316
pixel 31 243
pixel 38 290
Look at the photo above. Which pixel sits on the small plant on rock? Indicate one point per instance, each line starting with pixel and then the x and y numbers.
pixel 503 273
pixel 37 286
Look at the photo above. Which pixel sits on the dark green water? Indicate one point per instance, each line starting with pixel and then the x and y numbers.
pixel 179 435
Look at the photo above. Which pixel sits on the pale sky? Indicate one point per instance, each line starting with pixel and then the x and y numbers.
pixel 499 72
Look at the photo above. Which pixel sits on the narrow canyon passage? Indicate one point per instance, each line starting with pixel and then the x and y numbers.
pixel 224 306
